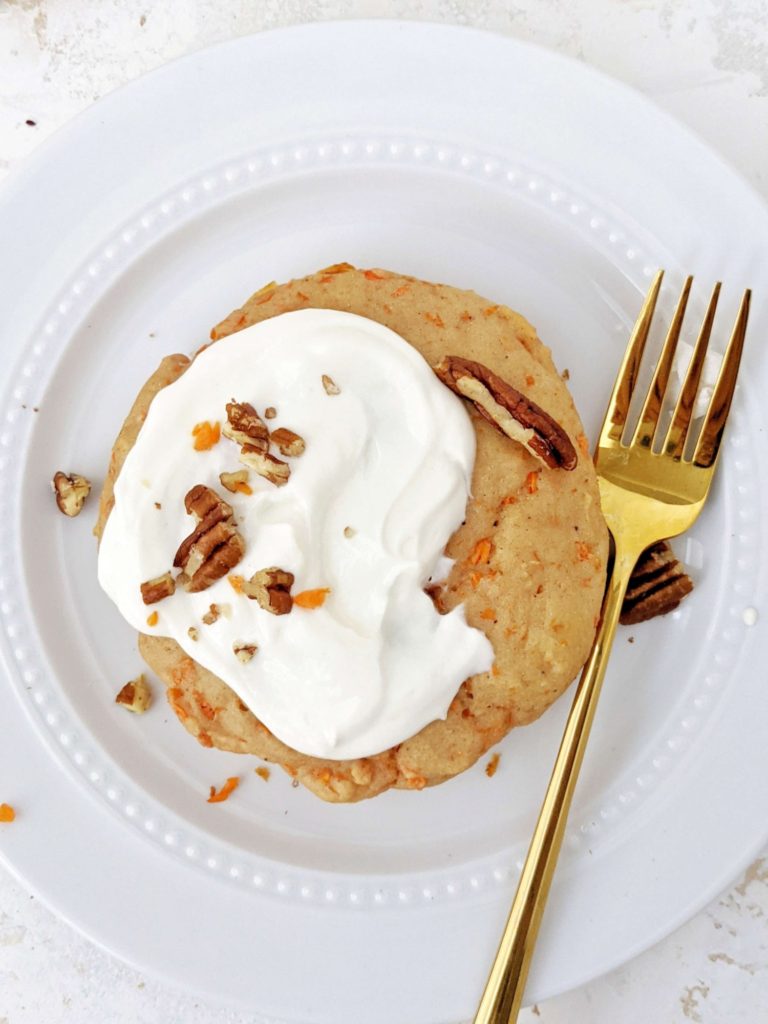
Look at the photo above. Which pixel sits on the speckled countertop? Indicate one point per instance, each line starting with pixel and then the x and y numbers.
pixel 705 61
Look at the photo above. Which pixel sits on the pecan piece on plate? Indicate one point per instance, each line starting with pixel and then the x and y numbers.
pixel 658 584
pixel 214 547
pixel 272 589
pixel 135 696
pixel 71 490
pixel 509 411
pixel 288 442
pixel 244 426
pixel 155 590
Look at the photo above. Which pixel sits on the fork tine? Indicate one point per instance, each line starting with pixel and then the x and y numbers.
pixel 621 396
pixel 719 406
pixel 654 399
pixel 674 443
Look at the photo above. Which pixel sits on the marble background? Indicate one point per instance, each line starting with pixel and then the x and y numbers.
pixel 706 62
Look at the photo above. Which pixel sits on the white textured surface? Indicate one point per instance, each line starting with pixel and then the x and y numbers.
pixel 705 62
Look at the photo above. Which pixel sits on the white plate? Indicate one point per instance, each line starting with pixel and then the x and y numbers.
pixel 453 155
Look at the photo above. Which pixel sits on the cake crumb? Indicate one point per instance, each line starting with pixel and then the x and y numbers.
pixel 263 773
pixel 493 764
pixel 7 813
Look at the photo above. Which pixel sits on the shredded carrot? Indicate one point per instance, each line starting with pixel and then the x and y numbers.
pixel 493 764
pixel 236 582
pixel 268 287
pixel 263 773
pixel 205 707
pixel 490 310
pixel 509 500
pixel 312 598
pixel 7 813
pixel 434 318
pixel 583 443
pixel 152 619
pixel 495 670
pixel 371 275
pixel 530 381
pixel 583 550
pixel 206 435
pixel 466 317
pixel 243 487
pixel 204 739
pixel 303 296
pixel 416 782
pixel 337 268
pixel 532 481
pixel 399 292
pixel 474 578
pixel 225 792
pixel 481 552
pixel 488 613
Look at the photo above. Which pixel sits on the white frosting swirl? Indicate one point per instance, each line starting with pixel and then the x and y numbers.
pixel 391 457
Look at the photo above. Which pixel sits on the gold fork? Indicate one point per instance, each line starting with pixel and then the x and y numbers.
pixel 647 495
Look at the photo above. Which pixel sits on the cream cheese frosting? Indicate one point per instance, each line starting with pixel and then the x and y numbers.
pixel 366 513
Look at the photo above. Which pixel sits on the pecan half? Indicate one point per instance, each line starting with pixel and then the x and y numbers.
pixel 272 589
pixel 288 442
pixel 155 590
pixel 135 696
pixel 266 465
pixel 245 426
pixel 509 411
pixel 657 586
pixel 214 547
pixel 331 387
pixel 71 490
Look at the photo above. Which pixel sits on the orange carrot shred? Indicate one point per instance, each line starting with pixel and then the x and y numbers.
pixel 312 598
pixel 583 443
pixel 583 550
pixel 493 764
pixel 399 292
pixel 262 772
pixel 490 310
pixel 488 613
pixel 530 381
pixel 495 670
pixel 236 582
pixel 226 790
pixel 481 552
pixel 7 813
pixel 337 268
pixel 435 319
pixel 371 275
pixel 474 578
pixel 152 619
pixel 532 482
pixel 206 435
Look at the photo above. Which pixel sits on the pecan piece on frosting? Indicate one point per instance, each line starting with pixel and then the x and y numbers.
pixel 214 547
pixel 266 465
pixel 244 426
pixel 155 590
pixel 509 411
pixel 288 442
pixel 272 589
pixel 71 490
pixel 658 584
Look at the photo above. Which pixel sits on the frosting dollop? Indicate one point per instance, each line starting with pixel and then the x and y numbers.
pixel 366 513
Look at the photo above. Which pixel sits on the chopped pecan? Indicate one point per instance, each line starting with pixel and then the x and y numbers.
pixel 270 412
pixel 244 651
pixel 272 589
pixel 244 426
pixel 266 465
pixel 214 547
pixel 192 633
pixel 509 411
pixel 71 490
pixel 288 442
pixel 158 588
pixel 657 586
pixel 135 696
pixel 331 388
pixel 234 482
pixel 212 615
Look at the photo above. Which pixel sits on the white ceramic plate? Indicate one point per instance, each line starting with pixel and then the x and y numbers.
pixel 453 155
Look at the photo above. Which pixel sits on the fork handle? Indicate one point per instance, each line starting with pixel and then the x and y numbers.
pixel 503 995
